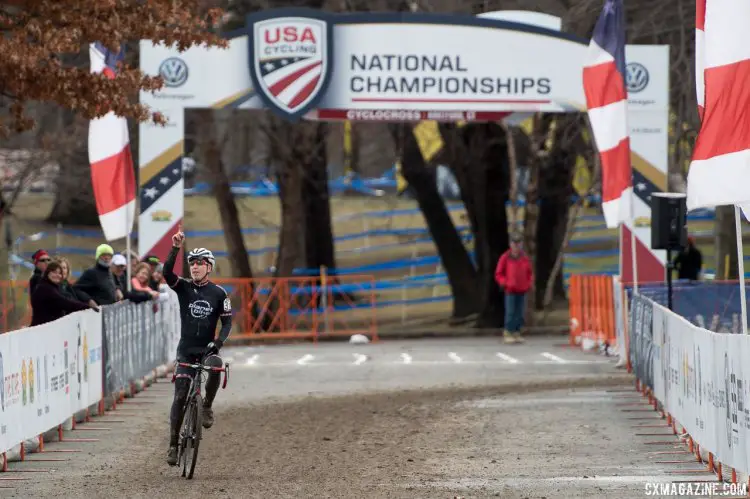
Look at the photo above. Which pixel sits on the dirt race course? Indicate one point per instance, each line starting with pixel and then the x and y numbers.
pixel 486 425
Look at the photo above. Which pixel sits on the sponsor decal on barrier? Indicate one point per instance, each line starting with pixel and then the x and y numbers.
pixel 50 372
pixel 698 376
pixel 136 339
pixel 641 344
pixel 31 406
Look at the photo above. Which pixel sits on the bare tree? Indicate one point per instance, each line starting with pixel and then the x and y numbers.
pixel 213 138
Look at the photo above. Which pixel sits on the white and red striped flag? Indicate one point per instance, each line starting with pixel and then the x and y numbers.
pixel 720 170
pixel 700 53
pixel 111 162
pixel 607 102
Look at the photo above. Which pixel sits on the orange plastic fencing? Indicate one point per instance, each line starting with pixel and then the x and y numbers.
pixel 591 308
pixel 302 307
pixel 264 308
pixel 15 308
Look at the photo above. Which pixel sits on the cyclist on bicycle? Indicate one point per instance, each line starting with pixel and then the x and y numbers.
pixel 202 305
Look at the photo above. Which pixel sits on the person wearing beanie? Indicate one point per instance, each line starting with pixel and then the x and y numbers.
pixel 97 281
pixel 41 258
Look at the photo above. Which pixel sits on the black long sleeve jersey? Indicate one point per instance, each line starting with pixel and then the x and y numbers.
pixel 201 308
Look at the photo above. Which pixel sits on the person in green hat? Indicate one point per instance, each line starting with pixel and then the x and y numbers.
pixel 97 281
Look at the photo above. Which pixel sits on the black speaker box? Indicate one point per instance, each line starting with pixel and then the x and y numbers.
pixel 668 221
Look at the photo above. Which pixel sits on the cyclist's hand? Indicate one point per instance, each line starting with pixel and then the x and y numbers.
pixel 213 347
pixel 178 238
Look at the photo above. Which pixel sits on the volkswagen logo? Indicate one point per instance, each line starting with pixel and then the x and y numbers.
pixel 636 77
pixel 174 72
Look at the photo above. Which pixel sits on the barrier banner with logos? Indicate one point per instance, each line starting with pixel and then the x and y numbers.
pixel 49 372
pixel 137 339
pixel 641 341
pixel 619 314
pixel 701 382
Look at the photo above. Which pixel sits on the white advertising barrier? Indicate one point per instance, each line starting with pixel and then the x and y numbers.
pixel 49 373
pixel 53 371
pixel 700 380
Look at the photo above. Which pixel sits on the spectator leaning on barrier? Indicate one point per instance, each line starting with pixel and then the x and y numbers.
pixel 157 278
pixel 41 259
pixel 47 301
pixel 140 281
pixel 97 281
pixel 514 276
pixel 119 274
pixel 132 256
pixel 689 262
pixel 66 288
pixel 154 263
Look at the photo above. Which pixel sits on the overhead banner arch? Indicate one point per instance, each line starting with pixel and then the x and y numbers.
pixel 393 67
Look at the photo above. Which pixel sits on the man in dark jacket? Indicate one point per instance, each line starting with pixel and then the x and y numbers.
pixel 514 276
pixel 41 259
pixel 98 282
pixel 689 262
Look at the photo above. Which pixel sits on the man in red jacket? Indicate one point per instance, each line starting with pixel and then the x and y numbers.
pixel 514 276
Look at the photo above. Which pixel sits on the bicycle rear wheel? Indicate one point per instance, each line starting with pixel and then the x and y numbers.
pixel 192 435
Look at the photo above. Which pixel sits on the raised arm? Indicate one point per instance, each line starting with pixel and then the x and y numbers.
pixel 173 280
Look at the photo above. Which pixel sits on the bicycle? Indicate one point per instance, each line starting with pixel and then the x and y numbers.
pixel 191 432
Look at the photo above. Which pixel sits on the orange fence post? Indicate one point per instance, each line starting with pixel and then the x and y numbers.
pixel 592 311
pixel 307 307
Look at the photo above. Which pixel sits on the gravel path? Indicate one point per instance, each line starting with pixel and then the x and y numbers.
pixel 547 434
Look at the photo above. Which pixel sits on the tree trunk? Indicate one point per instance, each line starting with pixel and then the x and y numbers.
pixel 725 239
pixel 292 236
pixel 74 198
pixel 495 226
pixel 230 220
pixel 555 191
pixel 462 275
pixel 480 162
pixel 318 230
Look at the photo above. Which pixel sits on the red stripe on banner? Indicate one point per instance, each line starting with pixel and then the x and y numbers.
pixel 113 180
pixel 304 93
pixel 603 85
pixel 701 110
pixel 281 85
pixel 650 268
pixel 700 15
pixel 726 121
pixel 616 170
pixel 164 245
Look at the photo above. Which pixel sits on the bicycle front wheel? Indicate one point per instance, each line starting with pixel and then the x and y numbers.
pixel 193 435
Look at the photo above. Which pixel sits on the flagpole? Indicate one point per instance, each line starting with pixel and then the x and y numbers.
pixel 128 229
pixel 633 245
pixel 741 267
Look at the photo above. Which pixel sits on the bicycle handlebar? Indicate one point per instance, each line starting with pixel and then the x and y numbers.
pixel 224 370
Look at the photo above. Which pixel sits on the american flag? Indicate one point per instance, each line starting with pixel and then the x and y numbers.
pixel 607 100
pixel 291 80
pixel 720 170
pixel 112 174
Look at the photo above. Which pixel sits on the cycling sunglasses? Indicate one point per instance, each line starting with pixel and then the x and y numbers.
pixel 199 261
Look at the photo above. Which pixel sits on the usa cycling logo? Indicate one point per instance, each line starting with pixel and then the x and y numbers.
pixel 200 309
pixel 174 72
pixel 636 77
pixel 290 60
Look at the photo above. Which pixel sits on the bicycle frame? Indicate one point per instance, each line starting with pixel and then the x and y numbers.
pixel 200 369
